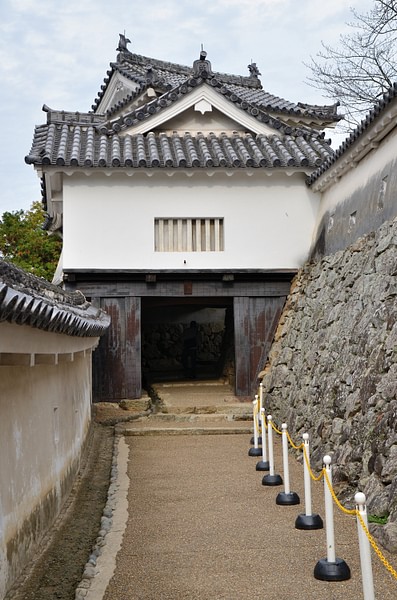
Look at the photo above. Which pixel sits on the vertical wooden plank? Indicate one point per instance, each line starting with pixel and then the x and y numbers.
pixel 207 247
pixel 189 235
pixel 217 235
pixel 180 235
pixel 117 361
pixel 161 235
pixel 107 364
pixel 133 345
pixel 170 230
pixel 242 345
pixel 264 316
pixel 197 223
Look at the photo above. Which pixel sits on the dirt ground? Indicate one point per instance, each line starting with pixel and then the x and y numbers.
pixel 60 561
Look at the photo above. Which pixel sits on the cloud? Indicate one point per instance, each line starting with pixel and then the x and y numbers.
pixel 58 53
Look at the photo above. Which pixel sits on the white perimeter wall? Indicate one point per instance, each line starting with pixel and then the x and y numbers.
pixel 109 220
pixel 45 412
pixel 357 178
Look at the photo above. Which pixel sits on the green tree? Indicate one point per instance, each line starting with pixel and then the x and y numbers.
pixel 24 243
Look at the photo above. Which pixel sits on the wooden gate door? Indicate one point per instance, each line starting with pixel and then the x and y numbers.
pixel 255 323
pixel 117 360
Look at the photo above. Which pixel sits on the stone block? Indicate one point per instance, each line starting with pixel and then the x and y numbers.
pixel 137 405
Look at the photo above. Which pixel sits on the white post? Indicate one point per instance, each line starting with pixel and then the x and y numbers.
pixel 329 512
pixel 264 447
pixel 365 549
pixel 306 476
pixel 270 437
pixel 260 398
pixel 287 489
pixel 258 414
pixel 255 408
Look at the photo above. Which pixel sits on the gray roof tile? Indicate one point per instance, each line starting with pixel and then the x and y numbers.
pixel 379 107
pixel 145 111
pixel 77 145
pixel 165 76
pixel 27 299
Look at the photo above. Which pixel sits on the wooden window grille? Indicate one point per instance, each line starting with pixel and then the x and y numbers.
pixel 188 235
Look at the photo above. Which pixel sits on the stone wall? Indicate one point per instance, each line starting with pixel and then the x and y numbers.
pixel 332 370
pixel 162 344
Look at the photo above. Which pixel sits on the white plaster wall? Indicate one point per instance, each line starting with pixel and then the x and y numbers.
pixel 357 178
pixel 109 221
pixel 22 339
pixel 45 413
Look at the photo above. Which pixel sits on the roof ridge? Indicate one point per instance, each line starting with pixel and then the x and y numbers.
pixel 177 68
pixel 156 105
pixel 127 58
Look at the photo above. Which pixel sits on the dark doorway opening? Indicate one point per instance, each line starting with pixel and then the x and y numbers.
pixel 164 326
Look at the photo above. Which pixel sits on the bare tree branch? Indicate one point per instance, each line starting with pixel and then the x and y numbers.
pixel 364 64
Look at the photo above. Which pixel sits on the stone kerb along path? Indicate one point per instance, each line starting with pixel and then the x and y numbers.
pixel 332 370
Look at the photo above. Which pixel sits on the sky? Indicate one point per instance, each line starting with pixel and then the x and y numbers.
pixel 57 52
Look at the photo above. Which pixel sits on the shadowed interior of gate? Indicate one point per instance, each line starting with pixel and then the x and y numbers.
pixel 187 339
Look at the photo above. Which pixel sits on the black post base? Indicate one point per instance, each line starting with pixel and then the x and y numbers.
pixel 329 571
pixel 272 479
pixel 284 499
pixel 255 452
pixel 259 440
pixel 309 522
pixel 262 465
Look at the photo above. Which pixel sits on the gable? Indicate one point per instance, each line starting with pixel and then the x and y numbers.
pixel 163 78
pixel 118 91
pixel 203 105
pixel 194 119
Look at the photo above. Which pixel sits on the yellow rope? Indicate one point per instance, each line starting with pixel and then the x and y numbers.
pixel 371 540
pixel 347 511
pixel 292 443
pixel 356 512
pixel 288 436
pixel 312 475
pixel 275 429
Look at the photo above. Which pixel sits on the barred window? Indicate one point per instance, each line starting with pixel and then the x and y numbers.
pixel 188 235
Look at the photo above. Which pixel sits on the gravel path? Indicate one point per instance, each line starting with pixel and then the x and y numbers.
pixel 203 527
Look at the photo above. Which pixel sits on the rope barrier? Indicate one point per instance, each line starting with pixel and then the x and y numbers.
pixel 371 540
pixel 347 511
pixel 312 475
pixel 276 430
pixel 350 512
pixel 302 445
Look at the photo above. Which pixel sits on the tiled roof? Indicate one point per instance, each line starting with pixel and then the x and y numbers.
pixel 147 110
pixel 72 144
pixel 166 76
pixel 388 97
pixel 26 299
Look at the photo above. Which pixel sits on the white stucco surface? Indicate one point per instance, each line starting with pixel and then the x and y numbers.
pixel 109 221
pixel 358 176
pixel 45 411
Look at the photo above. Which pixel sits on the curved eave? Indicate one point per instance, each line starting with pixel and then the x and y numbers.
pixel 158 173
pixel 28 300
pixel 379 122
pixel 71 146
